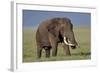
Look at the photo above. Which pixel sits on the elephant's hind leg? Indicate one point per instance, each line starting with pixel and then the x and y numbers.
pixel 39 51
pixel 47 51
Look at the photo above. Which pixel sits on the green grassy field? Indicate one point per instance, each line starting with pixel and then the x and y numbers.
pixel 82 35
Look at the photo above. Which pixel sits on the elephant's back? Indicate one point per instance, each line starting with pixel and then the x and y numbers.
pixel 44 24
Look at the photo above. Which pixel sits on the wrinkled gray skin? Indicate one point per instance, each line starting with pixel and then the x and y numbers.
pixel 51 32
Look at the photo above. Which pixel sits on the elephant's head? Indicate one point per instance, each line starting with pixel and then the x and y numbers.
pixel 64 28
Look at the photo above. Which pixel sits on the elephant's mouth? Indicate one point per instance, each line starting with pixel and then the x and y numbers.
pixel 73 46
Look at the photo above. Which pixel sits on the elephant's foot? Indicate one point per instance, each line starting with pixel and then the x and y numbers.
pixel 54 52
pixel 54 55
pixel 47 53
pixel 68 54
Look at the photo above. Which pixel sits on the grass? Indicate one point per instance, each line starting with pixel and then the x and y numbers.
pixel 82 35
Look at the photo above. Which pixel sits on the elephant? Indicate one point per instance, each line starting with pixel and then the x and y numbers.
pixel 53 31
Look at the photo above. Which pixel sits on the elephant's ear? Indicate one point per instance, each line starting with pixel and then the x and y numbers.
pixel 53 24
pixel 53 29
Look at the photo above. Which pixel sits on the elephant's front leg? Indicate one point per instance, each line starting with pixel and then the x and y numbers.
pixel 54 48
pixel 54 44
pixel 66 49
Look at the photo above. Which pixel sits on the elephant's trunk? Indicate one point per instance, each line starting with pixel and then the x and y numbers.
pixel 67 42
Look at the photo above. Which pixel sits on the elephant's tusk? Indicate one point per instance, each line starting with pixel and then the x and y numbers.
pixel 67 42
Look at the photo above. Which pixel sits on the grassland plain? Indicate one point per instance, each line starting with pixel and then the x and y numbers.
pixel 82 35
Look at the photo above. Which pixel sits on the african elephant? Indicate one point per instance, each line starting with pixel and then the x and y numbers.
pixel 53 31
